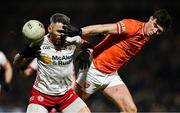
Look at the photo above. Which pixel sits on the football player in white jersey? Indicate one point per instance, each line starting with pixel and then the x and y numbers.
pixel 52 87
pixel 6 70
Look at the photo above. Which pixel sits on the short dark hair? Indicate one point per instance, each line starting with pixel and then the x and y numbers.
pixel 163 18
pixel 59 17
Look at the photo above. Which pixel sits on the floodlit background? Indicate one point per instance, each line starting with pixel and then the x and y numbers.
pixel 152 76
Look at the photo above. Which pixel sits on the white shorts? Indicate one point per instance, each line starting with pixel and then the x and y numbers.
pixel 92 80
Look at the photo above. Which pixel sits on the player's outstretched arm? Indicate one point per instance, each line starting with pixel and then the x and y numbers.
pixel 93 30
pixel 29 52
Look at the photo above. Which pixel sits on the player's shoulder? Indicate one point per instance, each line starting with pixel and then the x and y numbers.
pixel 46 37
pixel 132 21
pixel 46 41
pixel 131 26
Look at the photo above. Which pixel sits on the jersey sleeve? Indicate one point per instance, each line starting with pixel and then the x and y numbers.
pixel 127 27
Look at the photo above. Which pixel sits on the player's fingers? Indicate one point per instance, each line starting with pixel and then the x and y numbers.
pixel 80 66
pixel 61 31
pixel 64 35
pixel 66 27
pixel 85 66
pixel 64 31
pixel 88 65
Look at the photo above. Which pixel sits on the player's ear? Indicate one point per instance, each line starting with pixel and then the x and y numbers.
pixel 49 28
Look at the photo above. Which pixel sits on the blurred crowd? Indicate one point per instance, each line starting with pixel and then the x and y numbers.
pixel 152 76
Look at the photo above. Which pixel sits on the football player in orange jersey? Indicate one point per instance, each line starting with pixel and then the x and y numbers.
pixel 123 40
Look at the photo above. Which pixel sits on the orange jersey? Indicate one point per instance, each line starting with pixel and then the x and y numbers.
pixel 112 52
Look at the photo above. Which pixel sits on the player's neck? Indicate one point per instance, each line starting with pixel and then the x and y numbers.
pixel 144 29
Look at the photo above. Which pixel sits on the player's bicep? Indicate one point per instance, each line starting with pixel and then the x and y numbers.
pixel 101 28
pixel 109 28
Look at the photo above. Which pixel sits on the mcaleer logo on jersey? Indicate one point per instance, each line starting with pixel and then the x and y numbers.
pixel 61 60
pixel 56 60
pixel 46 59
pixel 61 57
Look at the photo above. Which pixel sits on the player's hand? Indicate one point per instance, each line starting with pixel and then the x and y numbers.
pixel 71 31
pixel 28 51
pixel 83 59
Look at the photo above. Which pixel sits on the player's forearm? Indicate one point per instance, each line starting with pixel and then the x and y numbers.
pixel 96 29
pixel 8 73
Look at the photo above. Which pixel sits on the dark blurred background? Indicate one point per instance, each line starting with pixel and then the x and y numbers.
pixel 152 76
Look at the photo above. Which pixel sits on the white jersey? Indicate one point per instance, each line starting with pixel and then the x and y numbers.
pixel 55 68
pixel 3 59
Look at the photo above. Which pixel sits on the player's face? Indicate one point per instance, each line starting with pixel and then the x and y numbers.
pixel 56 35
pixel 152 28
